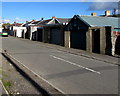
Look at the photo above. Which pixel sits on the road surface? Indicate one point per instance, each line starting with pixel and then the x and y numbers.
pixel 70 74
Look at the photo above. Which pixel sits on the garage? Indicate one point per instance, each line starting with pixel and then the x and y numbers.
pixel 78 39
pixel 96 41
pixel 15 32
pixel 55 36
pixel 40 34
pixel 117 46
pixel 27 34
pixel 34 36
pixel 23 33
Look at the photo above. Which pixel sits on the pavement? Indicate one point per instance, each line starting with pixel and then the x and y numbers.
pixel 100 57
pixel 71 71
pixel 2 88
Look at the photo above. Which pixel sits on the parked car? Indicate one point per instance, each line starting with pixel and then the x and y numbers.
pixel 4 34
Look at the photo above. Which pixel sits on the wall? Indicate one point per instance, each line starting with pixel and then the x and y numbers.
pixel 1 29
pixel 32 30
pixel 19 30
pixel 114 34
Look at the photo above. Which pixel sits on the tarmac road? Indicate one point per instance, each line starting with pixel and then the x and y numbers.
pixel 70 74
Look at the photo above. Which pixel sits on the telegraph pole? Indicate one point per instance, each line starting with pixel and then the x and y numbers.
pixel 3 20
pixel 114 12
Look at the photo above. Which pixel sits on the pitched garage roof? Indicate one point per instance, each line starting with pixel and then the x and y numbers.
pixel 100 21
pixel 63 20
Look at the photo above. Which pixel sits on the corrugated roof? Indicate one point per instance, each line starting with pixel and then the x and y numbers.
pixel 101 21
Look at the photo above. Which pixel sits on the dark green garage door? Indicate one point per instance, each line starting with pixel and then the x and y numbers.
pixel 40 35
pixel 78 39
pixel 55 35
pixel 117 46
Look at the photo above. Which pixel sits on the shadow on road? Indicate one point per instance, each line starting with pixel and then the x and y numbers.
pixel 42 91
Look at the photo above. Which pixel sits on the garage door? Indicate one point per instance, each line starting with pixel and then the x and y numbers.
pixel 117 46
pixel 40 35
pixel 55 36
pixel 78 39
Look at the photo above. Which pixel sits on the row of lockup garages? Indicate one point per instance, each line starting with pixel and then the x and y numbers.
pixel 91 33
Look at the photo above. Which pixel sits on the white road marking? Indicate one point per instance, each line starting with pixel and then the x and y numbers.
pixel 61 56
pixel 59 51
pixel 75 55
pixel 72 63
pixel 82 55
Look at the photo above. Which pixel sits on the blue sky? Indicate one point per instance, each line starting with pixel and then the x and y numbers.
pixel 22 11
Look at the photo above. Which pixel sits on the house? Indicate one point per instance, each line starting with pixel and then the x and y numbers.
pixel 28 25
pixel 1 28
pixel 37 30
pixel 17 30
pixel 17 24
pixel 108 14
pixel 44 30
pixel 33 28
pixel 92 33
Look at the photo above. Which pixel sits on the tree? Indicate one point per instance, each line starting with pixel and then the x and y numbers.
pixel 5 24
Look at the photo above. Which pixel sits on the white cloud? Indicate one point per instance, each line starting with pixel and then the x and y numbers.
pixel 17 19
pixel 103 5
pixel 4 21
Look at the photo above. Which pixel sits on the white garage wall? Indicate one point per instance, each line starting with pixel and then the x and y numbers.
pixel 33 29
pixel 0 29
pixel 19 30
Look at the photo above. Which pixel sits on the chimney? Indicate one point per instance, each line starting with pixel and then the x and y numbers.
pixel 107 12
pixel 33 20
pixel 15 23
pixel 42 18
pixel 26 21
pixel 93 14
pixel 53 17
